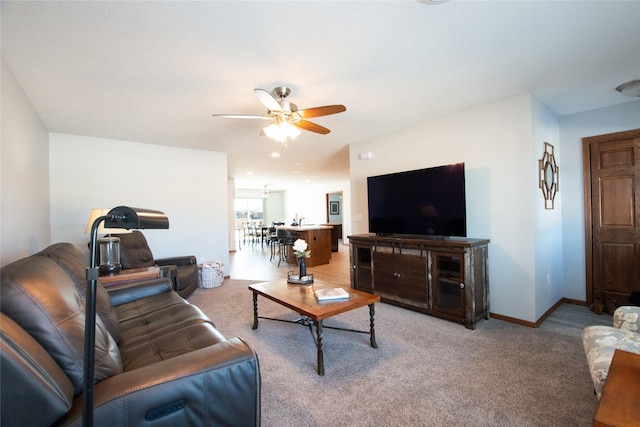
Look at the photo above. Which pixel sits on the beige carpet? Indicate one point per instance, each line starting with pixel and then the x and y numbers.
pixel 426 371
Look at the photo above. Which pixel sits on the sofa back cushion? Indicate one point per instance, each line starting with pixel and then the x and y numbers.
pixel 42 298
pixel 134 250
pixel 72 261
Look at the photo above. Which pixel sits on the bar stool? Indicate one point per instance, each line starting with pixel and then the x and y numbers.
pixel 285 243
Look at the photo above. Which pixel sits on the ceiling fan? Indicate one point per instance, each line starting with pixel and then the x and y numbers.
pixel 287 119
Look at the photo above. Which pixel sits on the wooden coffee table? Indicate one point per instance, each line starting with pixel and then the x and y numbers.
pixel 300 298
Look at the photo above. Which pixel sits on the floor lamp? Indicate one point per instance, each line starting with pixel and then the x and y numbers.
pixel 120 217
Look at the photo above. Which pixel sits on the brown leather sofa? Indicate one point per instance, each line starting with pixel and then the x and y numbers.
pixel 135 253
pixel 159 360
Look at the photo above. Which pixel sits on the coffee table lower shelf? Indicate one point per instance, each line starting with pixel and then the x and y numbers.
pixel 301 299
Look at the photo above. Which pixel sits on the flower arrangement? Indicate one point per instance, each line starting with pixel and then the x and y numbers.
pixel 300 249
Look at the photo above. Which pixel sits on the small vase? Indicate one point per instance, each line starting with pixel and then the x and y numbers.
pixel 303 267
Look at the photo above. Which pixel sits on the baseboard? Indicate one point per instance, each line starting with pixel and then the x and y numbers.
pixel 575 302
pixel 537 323
pixel 513 320
pixel 548 312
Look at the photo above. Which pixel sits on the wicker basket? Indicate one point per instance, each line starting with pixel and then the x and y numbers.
pixel 210 274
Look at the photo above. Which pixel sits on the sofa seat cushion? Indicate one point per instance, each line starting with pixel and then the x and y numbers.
pixel 187 338
pixel 144 306
pixel 159 323
pixel 600 342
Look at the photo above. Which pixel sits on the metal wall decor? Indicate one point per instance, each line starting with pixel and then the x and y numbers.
pixel 548 178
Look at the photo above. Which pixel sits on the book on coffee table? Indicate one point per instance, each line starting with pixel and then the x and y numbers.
pixel 331 294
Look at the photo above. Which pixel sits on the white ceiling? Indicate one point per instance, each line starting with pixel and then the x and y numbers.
pixel 154 72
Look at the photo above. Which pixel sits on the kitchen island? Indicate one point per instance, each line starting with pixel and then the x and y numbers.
pixel 318 237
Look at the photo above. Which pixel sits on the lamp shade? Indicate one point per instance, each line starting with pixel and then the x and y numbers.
pixel 95 214
pixel 135 218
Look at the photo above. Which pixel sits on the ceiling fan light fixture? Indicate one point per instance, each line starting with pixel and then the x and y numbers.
pixel 288 121
pixel 281 132
pixel 631 88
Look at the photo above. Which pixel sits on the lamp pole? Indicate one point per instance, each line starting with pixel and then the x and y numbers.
pixel 90 326
pixel 120 217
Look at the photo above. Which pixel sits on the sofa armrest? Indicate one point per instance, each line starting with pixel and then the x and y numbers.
pixel 127 292
pixel 627 318
pixel 179 260
pixel 218 385
pixel 168 271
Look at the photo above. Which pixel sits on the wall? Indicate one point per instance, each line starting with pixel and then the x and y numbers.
pixel 232 234
pixel 190 186
pixel 495 142
pixel 310 201
pixel 572 129
pixel 536 256
pixel 547 222
pixel 24 177
pixel 274 207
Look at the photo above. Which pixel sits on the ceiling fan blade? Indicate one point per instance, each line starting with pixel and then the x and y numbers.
pixel 241 116
pixel 268 100
pixel 312 127
pixel 308 113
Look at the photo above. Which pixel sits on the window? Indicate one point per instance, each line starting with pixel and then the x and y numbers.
pixel 249 210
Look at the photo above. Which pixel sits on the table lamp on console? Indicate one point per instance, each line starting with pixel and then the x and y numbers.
pixel 109 245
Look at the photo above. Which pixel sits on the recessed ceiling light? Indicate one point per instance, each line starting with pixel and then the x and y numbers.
pixel 250 173
pixel 275 154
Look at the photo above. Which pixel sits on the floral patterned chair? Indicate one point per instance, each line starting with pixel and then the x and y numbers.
pixel 600 342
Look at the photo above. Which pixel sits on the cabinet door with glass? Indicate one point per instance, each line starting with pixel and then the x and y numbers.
pixel 361 270
pixel 447 275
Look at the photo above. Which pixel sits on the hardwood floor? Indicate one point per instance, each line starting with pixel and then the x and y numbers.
pixel 252 263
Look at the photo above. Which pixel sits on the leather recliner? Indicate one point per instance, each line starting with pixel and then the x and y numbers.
pixel 135 253
pixel 159 360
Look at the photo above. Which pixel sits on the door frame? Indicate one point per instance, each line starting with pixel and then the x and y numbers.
pixel 588 217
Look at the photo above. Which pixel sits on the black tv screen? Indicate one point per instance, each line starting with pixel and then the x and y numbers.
pixel 428 202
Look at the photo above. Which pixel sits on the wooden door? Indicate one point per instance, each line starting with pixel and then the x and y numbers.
pixel 612 214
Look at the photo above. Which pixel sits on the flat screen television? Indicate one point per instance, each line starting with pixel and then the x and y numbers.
pixel 428 202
